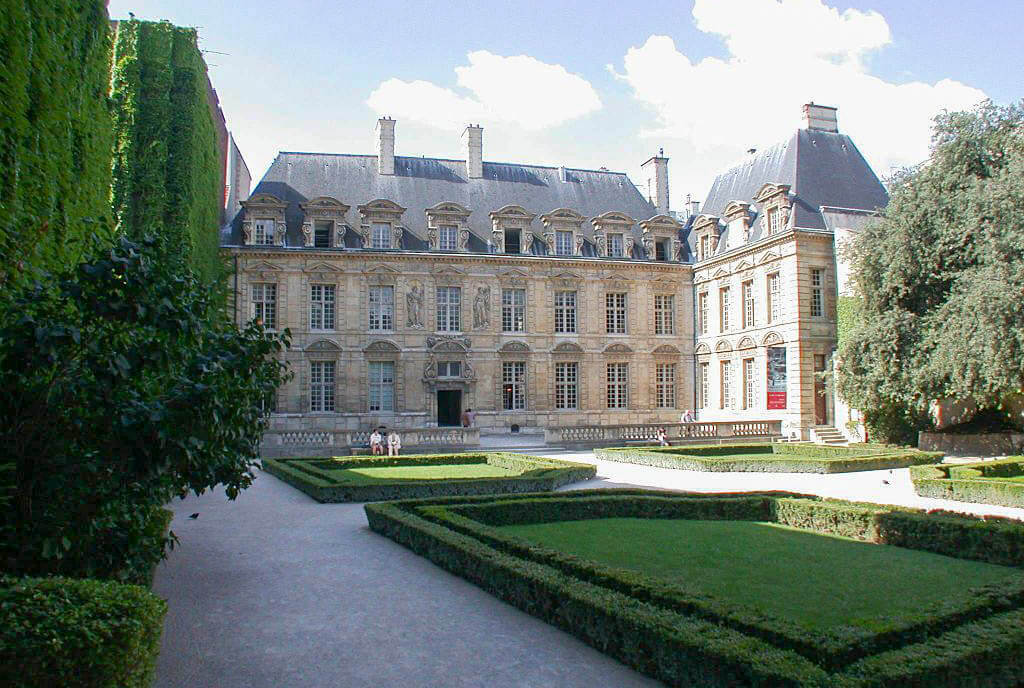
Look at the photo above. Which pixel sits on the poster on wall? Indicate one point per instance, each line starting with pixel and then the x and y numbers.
pixel 776 378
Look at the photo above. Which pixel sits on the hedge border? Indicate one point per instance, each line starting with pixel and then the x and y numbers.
pixel 771 458
pixel 677 640
pixel 977 483
pixel 538 474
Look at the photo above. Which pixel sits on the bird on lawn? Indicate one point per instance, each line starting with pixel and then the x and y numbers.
pixel 194 516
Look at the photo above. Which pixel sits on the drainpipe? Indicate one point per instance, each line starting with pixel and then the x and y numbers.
pixel 693 315
pixel 234 300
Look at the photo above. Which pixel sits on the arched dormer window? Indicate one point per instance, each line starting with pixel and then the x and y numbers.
pixel 263 222
pixel 563 233
pixel 661 238
pixel 448 227
pixel 323 224
pixel 737 220
pixel 511 230
pixel 381 224
pixel 705 233
pixel 776 206
pixel 613 234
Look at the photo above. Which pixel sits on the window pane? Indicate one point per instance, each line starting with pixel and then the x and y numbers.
pixel 321 386
pixel 566 389
pixel 664 314
pixel 563 243
pixel 381 237
pixel 382 386
pixel 382 308
pixel 264 304
pixel 447 237
pixel 665 376
pixel 513 385
pixel 513 310
pixel 565 312
pixel 615 245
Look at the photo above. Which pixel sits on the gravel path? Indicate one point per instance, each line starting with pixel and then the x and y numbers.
pixel 274 590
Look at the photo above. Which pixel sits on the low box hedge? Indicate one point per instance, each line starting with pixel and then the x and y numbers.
pixel 980 483
pixel 771 458
pixel 685 637
pixel 78 633
pixel 535 474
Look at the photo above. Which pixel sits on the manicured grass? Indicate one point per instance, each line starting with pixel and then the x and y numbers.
pixel 442 472
pixel 817 580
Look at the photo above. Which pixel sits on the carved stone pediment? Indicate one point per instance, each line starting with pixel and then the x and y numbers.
pixel 320 268
pixel 772 339
pixel 666 350
pixel 450 344
pixel 768 257
pixel 617 349
pixel 723 346
pixel 567 348
pixel 382 346
pixel 513 277
pixel 702 349
pixel 263 270
pixel 720 272
pixel 664 286
pixel 514 348
pixel 746 343
pixel 323 346
pixel 770 190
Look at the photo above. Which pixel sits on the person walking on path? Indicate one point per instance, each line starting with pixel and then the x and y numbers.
pixel 376 442
pixel 394 443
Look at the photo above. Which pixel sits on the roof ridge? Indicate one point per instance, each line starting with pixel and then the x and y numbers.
pixel 459 160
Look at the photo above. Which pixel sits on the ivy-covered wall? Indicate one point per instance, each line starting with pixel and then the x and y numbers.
pixel 55 133
pixel 167 164
pixel 847 314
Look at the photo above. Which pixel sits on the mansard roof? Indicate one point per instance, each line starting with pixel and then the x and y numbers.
pixel 421 183
pixel 821 168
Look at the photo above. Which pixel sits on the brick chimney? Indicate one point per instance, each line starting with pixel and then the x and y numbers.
pixel 656 171
pixel 386 145
pixel 474 135
pixel 820 118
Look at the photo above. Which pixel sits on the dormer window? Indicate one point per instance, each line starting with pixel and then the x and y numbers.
pixel 563 243
pixel 615 246
pixel 263 232
pixel 447 237
pixel 660 237
pixel 322 234
pixel 661 250
pixel 381 237
pixel 512 241
pixel 774 215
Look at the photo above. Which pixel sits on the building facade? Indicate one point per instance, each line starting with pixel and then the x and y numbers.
pixel 418 288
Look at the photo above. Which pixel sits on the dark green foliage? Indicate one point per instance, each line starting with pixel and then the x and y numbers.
pixel 314 476
pixel 940 277
pixel 167 166
pixel 772 458
pixel 55 133
pixel 78 633
pixel 976 482
pixel 685 637
pixel 119 390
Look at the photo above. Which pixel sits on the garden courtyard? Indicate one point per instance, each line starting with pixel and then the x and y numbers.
pixel 276 589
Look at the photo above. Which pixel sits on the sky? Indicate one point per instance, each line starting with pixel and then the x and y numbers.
pixel 597 83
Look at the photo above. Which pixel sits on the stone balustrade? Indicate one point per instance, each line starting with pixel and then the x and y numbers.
pixel 300 443
pixel 676 433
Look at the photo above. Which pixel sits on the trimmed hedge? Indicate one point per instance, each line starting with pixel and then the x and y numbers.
pixel 683 636
pixel 78 633
pixel 975 482
pixel 771 458
pixel 55 133
pixel 536 474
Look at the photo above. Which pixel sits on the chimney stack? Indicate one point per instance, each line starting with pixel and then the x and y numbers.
pixel 656 171
pixel 692 206
pixel 386 145
pixel 820 118
pixel 474 134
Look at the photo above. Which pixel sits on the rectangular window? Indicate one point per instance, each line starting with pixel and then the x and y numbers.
pixel 702 312
pixel 665 382
pixel 264 304
pixel 702 391
pixel 322 234
pixel 618 385
pixel 382 385
pixel 616 248
pixel 615 313
pixel 565 312
pixel 381 237
pixel 664 314
pixel 449 309
pixel 724 304
pixel 321 386
pixel 263 232
pixel 447 237
pixel 749 384
pixel 726 384
pixel 512 241
pixel 817 304
pixel 513 385
pixel 382 309
pixel 321 306
pixel 661 250
pixel 774 298
pixel 566 386
pixel 748 303
pixel 705 246
pixel 563 243
pixel 449 369
pixel 513 310
pixel 774 220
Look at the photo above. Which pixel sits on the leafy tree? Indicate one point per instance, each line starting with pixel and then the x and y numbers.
pixel 122 386
pixel 940 278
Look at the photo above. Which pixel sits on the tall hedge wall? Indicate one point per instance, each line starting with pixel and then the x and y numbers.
pixel 55 133
pixel 167 166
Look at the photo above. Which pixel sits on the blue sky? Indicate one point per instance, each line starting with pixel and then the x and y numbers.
pixel 590 84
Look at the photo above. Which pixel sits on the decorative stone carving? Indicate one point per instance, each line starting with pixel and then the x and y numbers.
pixel 430 368
pixel 618 349
pixel 463 241
pixel 514 348
pixel 396 236
pixel 452 343
pixel 526 240
pixel 579 244
pixel 414 307
pixel 567 348
pixel 279 233
pixel 482 308
pixel 648 243
pixel 432 236
pixel 677 250
pixel 381 347
pixel 628 248
pixel 247 232
pixel 307 233
pixel 549 239
pixel 602 244
pixel 339 234
pixel 784 220
pixel 498 239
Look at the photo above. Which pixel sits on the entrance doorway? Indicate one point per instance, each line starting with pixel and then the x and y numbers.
pixel 449 407
pixel 820 401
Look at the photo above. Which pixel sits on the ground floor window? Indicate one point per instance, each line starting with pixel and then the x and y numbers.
pixel 382 385
pixel 321 386
pixel 513 385
pixel 566 386
pixel 618 385
pixel 749 384
pixel 727 384
pixel 665 380
pixel 702 389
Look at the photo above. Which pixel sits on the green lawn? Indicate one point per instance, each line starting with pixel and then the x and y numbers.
pixel 817 580
pixel 442 472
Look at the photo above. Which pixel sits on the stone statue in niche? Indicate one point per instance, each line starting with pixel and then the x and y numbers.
pixel 414 307
pixel 482 308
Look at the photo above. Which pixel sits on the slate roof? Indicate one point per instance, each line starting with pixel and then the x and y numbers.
pixel 822 169
pixel 420 183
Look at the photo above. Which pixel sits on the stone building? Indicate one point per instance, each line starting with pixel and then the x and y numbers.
pixel 416 288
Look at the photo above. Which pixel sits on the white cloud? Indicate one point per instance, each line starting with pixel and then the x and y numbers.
pixel 518 90
pixel 782 53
